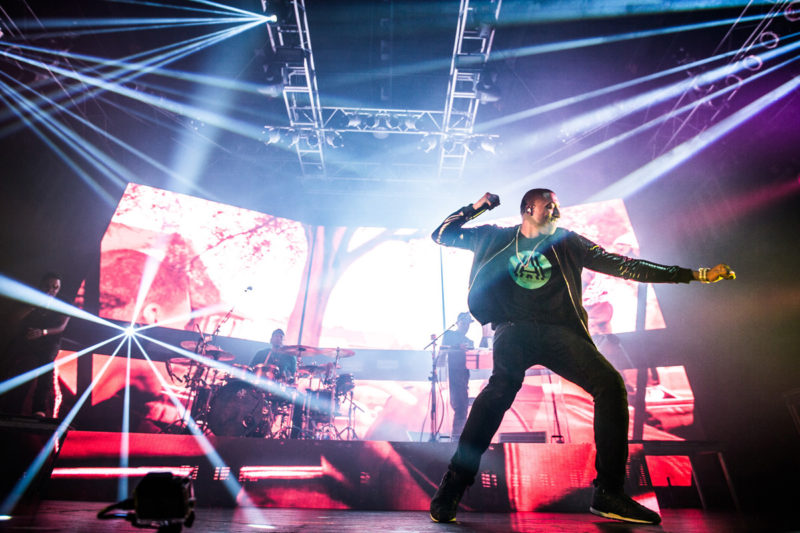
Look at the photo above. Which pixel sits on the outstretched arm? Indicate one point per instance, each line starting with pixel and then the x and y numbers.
pixel 598 259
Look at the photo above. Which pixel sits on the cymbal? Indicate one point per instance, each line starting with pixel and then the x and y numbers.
pixel 180 361
pixel 343 352
pixel 333 352
pixel 300 350
pixel 220 355
pixel 192 346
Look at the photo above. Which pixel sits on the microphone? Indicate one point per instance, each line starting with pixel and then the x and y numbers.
pixel 249 288
pixel 493 201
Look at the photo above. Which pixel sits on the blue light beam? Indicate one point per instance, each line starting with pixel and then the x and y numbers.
pixel 33 470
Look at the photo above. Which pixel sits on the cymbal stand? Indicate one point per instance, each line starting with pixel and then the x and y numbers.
pixel 199 403
pixel 226 317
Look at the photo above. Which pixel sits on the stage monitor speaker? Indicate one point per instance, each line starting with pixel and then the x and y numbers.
pixel 22 438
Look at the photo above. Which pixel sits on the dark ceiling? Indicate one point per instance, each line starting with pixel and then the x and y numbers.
pixel 171 139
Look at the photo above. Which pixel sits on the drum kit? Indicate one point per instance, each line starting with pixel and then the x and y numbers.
pixel 264 400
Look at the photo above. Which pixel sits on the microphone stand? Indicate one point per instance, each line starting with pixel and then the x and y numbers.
pixel 225 319
pixel 435 381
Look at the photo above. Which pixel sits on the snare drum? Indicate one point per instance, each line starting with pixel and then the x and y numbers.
pixel 265 371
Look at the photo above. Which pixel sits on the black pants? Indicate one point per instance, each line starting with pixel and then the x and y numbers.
pixel 458 381
pixel 570 354
pixel 21 357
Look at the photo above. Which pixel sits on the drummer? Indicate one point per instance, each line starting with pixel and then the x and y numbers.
pixel 271 355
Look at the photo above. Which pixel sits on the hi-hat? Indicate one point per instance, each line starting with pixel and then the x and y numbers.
pixel 220 355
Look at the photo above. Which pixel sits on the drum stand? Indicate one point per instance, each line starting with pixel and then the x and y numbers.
pixel 349 433
pixel 322 426
pixel 200 392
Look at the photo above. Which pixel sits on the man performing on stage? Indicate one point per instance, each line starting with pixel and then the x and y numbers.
pixel 526 281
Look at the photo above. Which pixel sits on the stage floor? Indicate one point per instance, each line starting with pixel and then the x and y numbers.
pixel 75 516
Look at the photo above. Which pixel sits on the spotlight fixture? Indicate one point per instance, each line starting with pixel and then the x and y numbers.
pixel 473 144
pixel 378 123
pixel 160 501
pixel 354 120
pixel 394 122
pixel 448 144
pixel 274 80
pixel 334 139
pixel 486 89
pixel 489 145
pixel 411 122
pixel 428 142
pixel 271 135
pixel 294 137
pixel 312 139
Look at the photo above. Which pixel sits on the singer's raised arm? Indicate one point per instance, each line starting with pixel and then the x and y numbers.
pixel 451 233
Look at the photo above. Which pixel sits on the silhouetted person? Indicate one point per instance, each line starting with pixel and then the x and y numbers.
pixel 35 341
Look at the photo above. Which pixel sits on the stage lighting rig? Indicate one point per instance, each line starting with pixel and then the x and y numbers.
pixel 276 11
pixel 161 501
pixel 471 83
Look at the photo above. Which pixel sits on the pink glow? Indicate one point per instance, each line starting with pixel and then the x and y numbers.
pixel 255 473
pixel 106 472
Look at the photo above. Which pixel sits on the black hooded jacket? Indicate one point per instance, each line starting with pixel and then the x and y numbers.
pixel 571 251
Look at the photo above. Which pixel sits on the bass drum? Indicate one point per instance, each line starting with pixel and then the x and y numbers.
pixel 238 410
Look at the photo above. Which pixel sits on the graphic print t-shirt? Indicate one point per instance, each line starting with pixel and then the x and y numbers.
pixel 533 287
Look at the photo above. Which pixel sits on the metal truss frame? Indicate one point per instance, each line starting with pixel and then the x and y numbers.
pixel 291 44
pixel 470 54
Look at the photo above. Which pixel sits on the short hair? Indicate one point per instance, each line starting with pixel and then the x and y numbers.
pixel 528 197
pixel 50 275
pixel 279 330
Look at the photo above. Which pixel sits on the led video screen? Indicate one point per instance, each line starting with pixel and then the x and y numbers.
pixel 188 263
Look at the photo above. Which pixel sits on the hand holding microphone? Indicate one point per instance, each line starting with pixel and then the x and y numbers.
pixel 486 202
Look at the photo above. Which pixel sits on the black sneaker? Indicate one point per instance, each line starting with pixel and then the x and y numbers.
pixel 617 505
pixel 445 502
